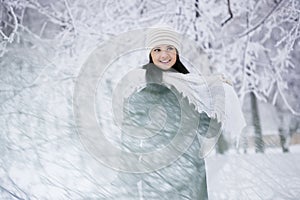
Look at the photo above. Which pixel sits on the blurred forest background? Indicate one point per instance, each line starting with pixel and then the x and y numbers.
pixel 44 43
pixel 255 43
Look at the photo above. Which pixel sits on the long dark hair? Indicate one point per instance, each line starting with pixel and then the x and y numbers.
pixel 178 66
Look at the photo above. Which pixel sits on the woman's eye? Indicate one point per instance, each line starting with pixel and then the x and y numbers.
pixel 170 48
pixel 156 50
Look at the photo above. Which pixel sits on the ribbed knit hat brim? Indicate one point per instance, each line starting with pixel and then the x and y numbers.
pixel 159 36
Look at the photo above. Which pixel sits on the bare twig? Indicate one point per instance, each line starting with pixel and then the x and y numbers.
pixel 229 12
pixel 197 8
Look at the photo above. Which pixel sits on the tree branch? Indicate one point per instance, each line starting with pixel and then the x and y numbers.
pixel 10 37
pixel 230 13
pixel 262 21
pixel 197 8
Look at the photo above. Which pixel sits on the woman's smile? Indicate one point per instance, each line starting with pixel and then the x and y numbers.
pixel 164 56
pixel 165 61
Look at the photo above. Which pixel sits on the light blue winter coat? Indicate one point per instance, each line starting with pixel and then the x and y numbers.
pixel 185 178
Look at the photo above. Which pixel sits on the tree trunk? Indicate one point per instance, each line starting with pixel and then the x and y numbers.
pixel 259 143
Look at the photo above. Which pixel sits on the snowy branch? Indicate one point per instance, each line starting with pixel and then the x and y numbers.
pixel 263 20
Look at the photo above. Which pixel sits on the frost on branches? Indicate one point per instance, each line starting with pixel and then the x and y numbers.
pixel 255 43
pixel 43 44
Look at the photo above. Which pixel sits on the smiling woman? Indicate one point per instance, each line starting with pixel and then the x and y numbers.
pixel 165 49
pixel 157 124
pixel 164 56
pixel 159 114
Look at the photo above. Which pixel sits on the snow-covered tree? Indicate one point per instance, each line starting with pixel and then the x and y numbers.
pixel 255 43
pixel 43 44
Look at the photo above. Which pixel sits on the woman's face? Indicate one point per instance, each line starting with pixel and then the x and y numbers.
pixel 164 56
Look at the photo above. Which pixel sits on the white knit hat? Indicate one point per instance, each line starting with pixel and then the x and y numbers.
pixel 164 35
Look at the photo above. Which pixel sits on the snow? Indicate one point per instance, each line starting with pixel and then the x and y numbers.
pixel 273 175
pixel 43 44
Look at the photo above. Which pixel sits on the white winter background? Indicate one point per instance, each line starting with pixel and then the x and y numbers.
pixel 44 43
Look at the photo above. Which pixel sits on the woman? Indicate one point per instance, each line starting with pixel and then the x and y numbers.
pixel 163 112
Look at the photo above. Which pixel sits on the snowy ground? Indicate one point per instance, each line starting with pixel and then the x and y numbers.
pixel 273 175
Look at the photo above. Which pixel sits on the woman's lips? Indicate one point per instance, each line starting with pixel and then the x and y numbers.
pixel 165 61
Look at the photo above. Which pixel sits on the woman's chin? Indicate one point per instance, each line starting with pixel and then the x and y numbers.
pixel 164 66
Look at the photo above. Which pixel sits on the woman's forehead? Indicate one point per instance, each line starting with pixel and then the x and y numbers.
pixel 163 46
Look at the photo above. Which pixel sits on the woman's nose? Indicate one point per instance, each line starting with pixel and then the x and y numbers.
pixel 164 54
